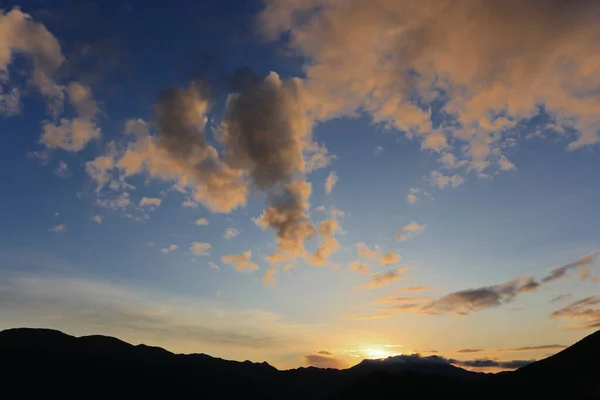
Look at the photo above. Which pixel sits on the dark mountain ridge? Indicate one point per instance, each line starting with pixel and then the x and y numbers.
pixel 49 363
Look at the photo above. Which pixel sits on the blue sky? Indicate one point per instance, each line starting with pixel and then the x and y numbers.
pixel 465 171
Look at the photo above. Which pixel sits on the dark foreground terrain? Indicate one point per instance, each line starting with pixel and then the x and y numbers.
pixel 51 364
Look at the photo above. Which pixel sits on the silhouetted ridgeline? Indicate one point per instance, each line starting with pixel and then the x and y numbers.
pixel 41 362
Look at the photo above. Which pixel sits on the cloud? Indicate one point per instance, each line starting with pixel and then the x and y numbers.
pixel 586 311
pixel 470 300
pixel 324 361
pixel 358 266
pixel 582 265
pixel 488 363
pixel 150 203
pixel 10 102
pixel 365 252
pixel 97 219
pixel 21 35
pixel 200 249
pixel 443 181
pixel 74 134
pixel 62 170
pixel 394 60
pixel 413 289
pixel 381 279
pixel 330 182
pixel 170 248
pixel 540 347
pixel 269 277
pixel 241 262
pixel 58 228
pixel 320 209
pixel 469 351
pixel 329 244
pixel 561 297
pixel 389 258
pixel 378 150
pixel 412 195
pixel 410 230
pixel 213 265
pixel 230 233
pixel 392 299
pixel 201 222
pixel 189 204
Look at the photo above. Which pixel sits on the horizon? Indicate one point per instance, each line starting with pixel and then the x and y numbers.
pixel 306 183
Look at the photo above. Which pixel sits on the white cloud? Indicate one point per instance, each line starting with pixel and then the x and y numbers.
pixel 330 182
pixel 97 219
pixel 58 228
pixel 201 222
pixel 170 248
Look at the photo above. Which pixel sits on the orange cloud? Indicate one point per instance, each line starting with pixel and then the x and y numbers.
pixel 381 279
pixel 241 262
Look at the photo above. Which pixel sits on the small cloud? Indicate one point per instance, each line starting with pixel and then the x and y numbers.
pixel 201 222
pixel 381 279
pixel 97 219
pixel 582 265
pixel 58 228
pixel 324 353
pixel 410 230
pixel 241 262
pixel 320 209
pixel 442 181
pixel 151 203
pixel 323 361
pixel 42 157
pixel 378 150
pixel 56 214
pixel 358 266
pixel 389 258
pixel 586 311
pixel 413 289
pixel 435 141
pixel 213 265
pixel 230 233
pixel 150 244
pixel 200 249
pixel 169 249
pixel 330 182
pixel 561 297
pixel 412 195
pixel 269 277
pixel 62 170
pixel 189 204
pixel 470 351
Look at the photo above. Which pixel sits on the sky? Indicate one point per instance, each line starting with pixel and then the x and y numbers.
pixel 308 182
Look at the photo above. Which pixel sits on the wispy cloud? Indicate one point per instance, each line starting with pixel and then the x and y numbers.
pixel 321 360
pixel 97 219
pixel 58 228
pixel 385 278
pixel 330 182
pixel 585 311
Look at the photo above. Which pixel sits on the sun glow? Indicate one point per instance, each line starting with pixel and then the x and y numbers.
pixel 378 352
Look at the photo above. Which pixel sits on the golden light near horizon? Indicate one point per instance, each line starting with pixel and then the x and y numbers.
pixel 378 352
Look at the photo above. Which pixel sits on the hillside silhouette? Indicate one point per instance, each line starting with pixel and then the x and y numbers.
pixel 49 363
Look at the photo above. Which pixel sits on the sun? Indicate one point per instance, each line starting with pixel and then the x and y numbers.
pixel 376 353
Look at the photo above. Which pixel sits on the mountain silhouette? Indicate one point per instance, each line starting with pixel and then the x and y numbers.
pixel 49 363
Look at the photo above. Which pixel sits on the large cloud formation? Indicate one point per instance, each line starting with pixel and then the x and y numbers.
pixel 461 77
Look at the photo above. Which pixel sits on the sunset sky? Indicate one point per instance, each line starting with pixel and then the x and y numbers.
pixel 306 182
